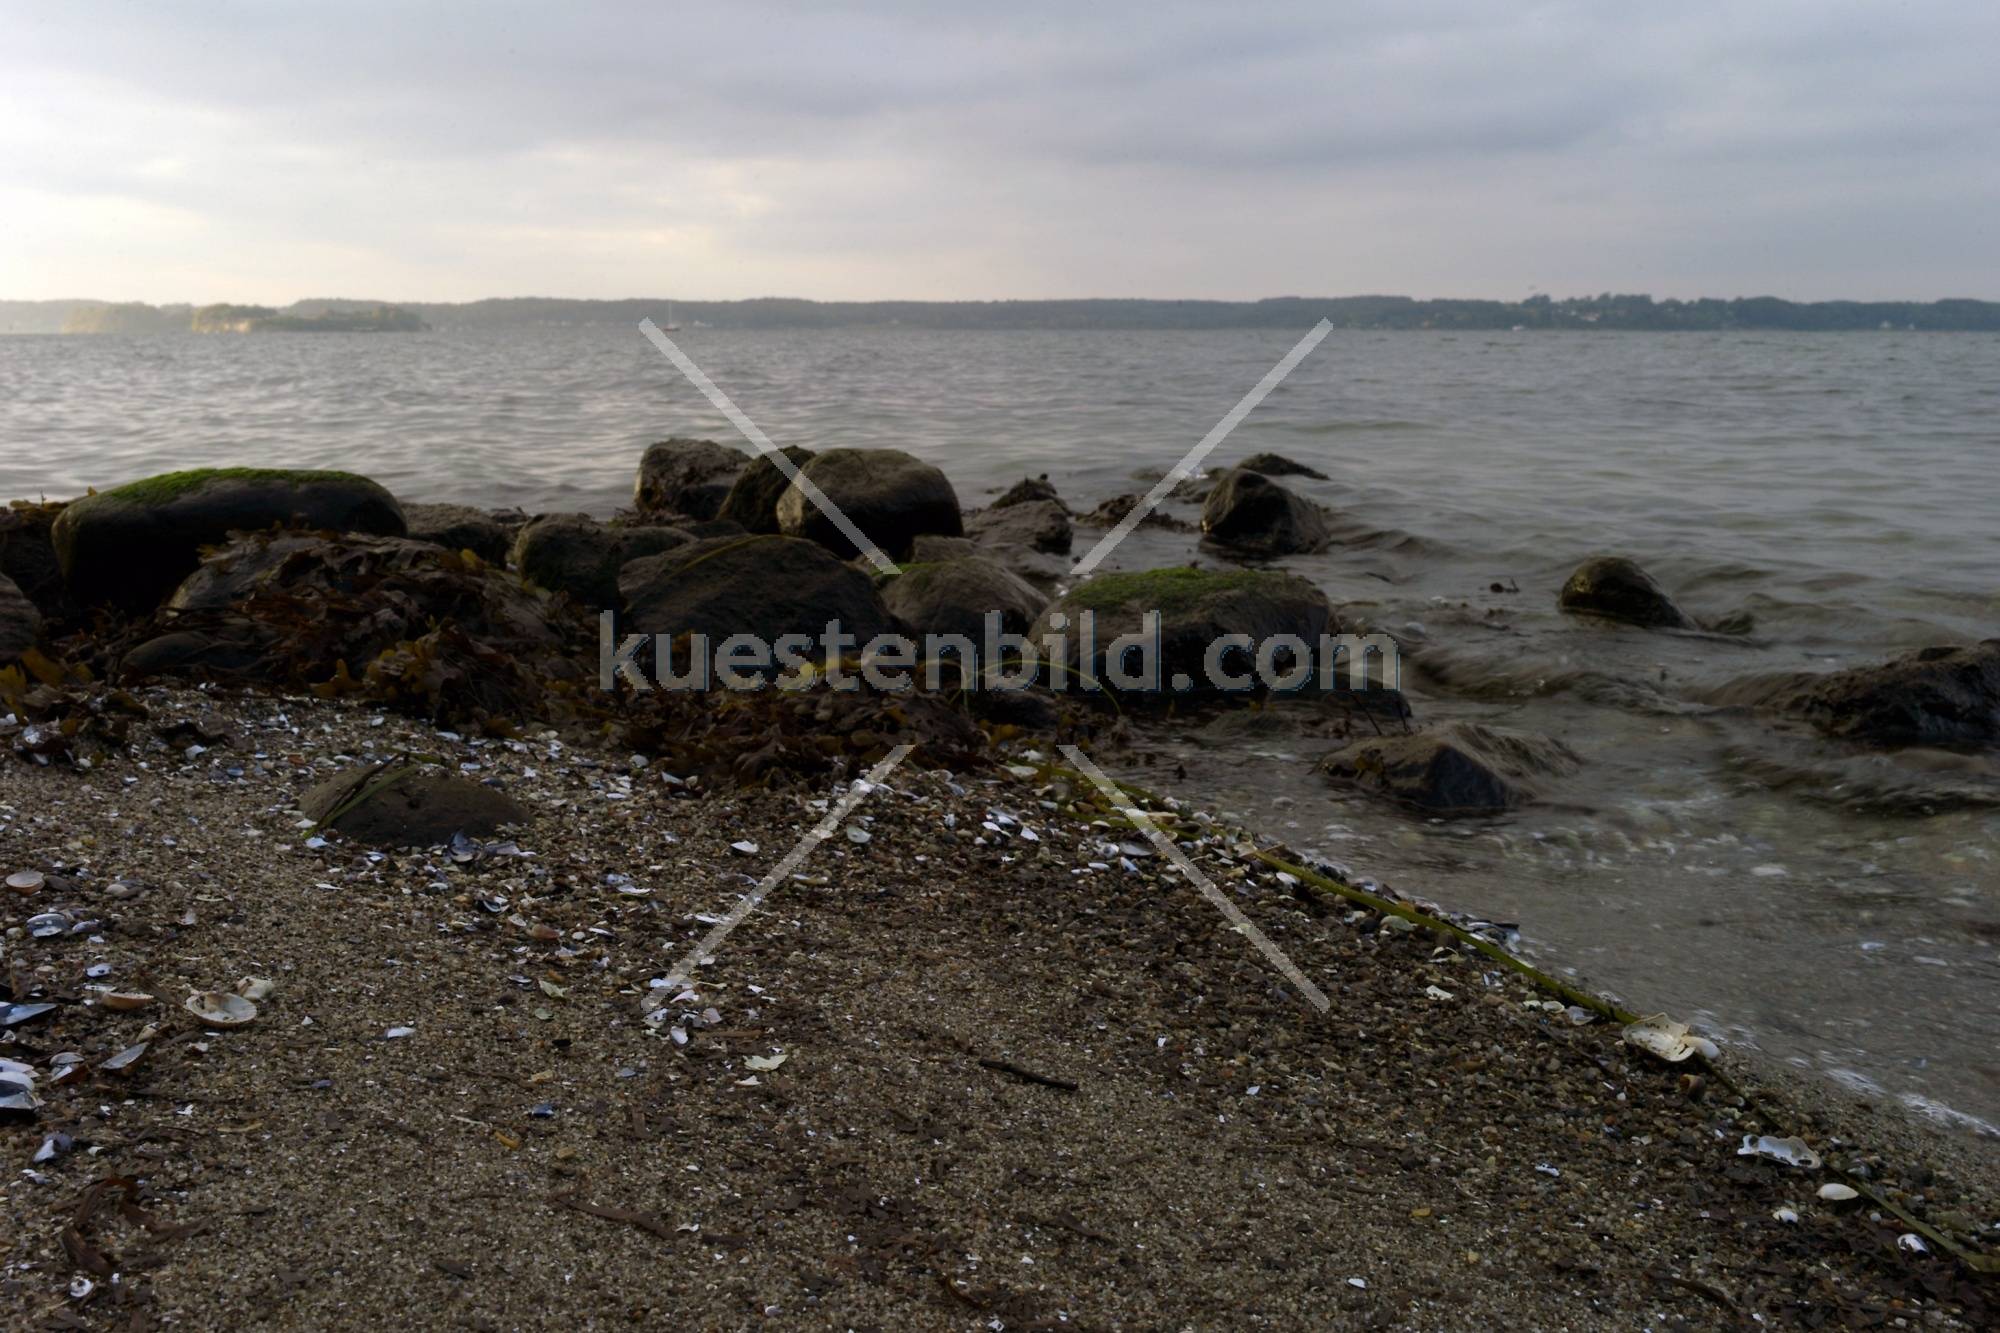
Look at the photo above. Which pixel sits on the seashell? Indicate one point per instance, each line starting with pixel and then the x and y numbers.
pixel 256 988
pixel 1792 1151
pixel 1664 1039
pixel 48 925
pixel 1912 1242
pixel 26 881
pixel 220 1009
pixel 1838 1193
pixel 125 1000
pixel 125 1059
pixel 1788 1215
pixel 10 1014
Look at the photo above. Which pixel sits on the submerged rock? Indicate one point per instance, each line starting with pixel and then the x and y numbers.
pixel 768 586
pixel 20 621
pixel 460 528
pixel 1028 490
pixel 1035 525
pixel 682 476
pixel 1197 607
pixel 575 554
pixel 752 503
pixel 1277 465
pixel 133 545
pixel 405 805
pixel 1615 588
pixel 954 597
pixel 889 495
pixel 1113 511
pixel 1459 768
pixel 1934 696
pixel 1248 512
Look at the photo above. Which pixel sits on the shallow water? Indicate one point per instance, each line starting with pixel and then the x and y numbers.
pixel 1837 909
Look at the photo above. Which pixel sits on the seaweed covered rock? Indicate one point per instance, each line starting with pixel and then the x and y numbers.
pixel 1028 490
pixel 682 476
pixel 133 545
pixel 1033 525
pixel 406 805
pixel 1197 607
pixel 460 528
pixel 1615 588
pixel 1249 513
pixel 20 621
pixel 955 596
pixel 1934 696
pixel 575 554
pixel 890 496
pixel 1459 768
pixel 1277 465
pixel 767 586
pixel 752 502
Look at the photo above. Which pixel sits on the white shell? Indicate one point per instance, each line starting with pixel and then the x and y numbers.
pixel 1838 1193
pixel 1664 1039
pixel 256 988
pixel 124 999
pixel 1792 1151
pixel 219 1009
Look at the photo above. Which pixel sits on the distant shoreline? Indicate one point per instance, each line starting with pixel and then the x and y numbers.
pixel 1623 313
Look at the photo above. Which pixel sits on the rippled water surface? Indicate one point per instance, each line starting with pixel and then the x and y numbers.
pixel 1836 908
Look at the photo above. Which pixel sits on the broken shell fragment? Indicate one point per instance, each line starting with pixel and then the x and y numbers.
pixel 1792 1151
pixel 1838 1193
pixel 1664 1039
pixel 125 1000
pixel 48 925
pixel 125 1059
pixel 26 881
pixel 256 988
pixel 219 1009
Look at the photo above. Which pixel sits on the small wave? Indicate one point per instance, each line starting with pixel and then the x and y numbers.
pixel 1350 427
pixel 1911 783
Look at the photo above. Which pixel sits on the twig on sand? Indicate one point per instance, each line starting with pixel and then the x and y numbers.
pixel 576 1203
pixel 1027 1075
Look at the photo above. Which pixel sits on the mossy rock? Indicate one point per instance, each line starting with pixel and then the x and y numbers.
pixel 575 554
pixel 686 477
pixel 767 586
pixel 888 495
pixel 1615 588
pixel 461 528
pixel 406 805
pixel 131 546
pixel 954 597
pixel 1251 514
pixel 1455 770
pixel 753 501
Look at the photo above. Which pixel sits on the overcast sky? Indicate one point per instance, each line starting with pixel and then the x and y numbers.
pixel 174 150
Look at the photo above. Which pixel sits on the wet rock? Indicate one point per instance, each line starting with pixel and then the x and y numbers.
pixel 1277 465
pixel 460 528
pixel 406 805
pixel 132 546
pixel 28 555
pixel 1615 588
pixel 890 496
pixel 1250 513
pixel 769 586
pixel 954 597
pixel 1934 696
pixel 1035 525
pixel 1113 511
pixel 20 621
pixel 682 476
pixel 1196 608
pixel 929 547
pixel 575 554
pixel 1459 768
pixel 1028 490
pixel 752 502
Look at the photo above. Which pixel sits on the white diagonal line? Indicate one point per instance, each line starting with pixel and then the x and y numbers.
pixel 684 970
pixel 1183 469
pixel 1279 958
pixel 762 443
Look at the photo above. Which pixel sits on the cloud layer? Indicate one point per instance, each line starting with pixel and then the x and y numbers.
pixel 184 150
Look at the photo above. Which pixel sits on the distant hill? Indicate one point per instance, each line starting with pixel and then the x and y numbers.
pixel 1603 312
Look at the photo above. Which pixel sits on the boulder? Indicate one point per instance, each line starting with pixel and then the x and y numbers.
pixel 769 586
pixel 575 554
pixel 1035 525
pixel 20 621
pixel 1934 696
pixel 1459 768
pixel 133 545
pixel 1028 490
pixel 1196 608
pixel 405 805
pixel 28 555
pixel 890 496
pixel 691 477
pixel 460 528
pixel 931 548
pixel 1249 513
pixel 954 597
pixel 1615 588
pixel 752 503
pixel 1277 465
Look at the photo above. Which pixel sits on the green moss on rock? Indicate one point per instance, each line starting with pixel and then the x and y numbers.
pixel 1164 590
pixel 172 485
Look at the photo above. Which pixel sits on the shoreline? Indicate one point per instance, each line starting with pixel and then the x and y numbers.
pixel 537 1155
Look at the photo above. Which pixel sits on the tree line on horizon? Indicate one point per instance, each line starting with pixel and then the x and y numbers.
pixel 1638 312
